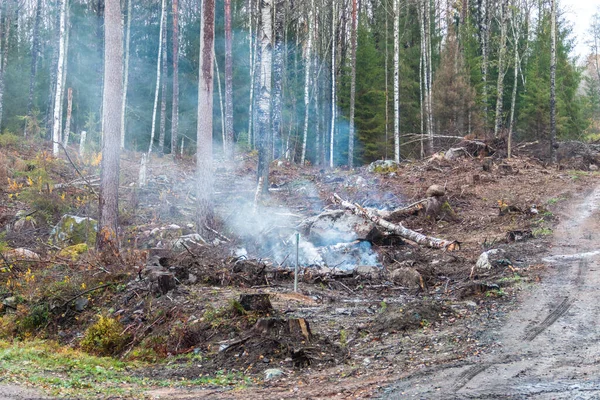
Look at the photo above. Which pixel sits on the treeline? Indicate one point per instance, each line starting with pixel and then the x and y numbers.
pixel 358 80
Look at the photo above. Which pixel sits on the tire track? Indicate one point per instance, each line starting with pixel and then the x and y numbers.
pixel 562 308
pixel 469 374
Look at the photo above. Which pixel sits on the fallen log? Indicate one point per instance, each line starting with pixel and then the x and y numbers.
pixel 399 229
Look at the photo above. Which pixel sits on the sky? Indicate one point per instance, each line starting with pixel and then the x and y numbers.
pixel 579 12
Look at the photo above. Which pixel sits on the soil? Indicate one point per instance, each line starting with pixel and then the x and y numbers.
pixel 522 328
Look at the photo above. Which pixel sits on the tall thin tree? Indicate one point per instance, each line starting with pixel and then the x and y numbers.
pixel 396 14
pixel 204 156
pixel 228 139
pixel 158 71
pixel 553 79
pixel 353 40
pixel 35 49
pixel 163 89
pixel 175 101
pixel 307 76
pixel 504 19
pixel 56 136
pixel 126 70
pixel 113 87
pixel 333 74
pixel 265 37
pixel 278 71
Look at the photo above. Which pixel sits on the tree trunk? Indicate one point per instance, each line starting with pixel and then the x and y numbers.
pixel 163 90
pixel 5 31
pixel 353 34
pixel 278 70
pixel 59 80
pixel 553 80
pixel 204 173
pixel 126 72
pixel 228 137
pixel 221 106
pixel 265 36
pixel 517 25
pixel 67 131
pixel 307 64
pixel 333 96
pixel 252 53
pixel 111 107
pixel 485 38
pixel 396 14
pixel 175 102
pixel 501 55
pixel 160 42
pixel 35 49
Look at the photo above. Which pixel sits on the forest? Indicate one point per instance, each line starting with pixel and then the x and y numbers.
pixel 352 81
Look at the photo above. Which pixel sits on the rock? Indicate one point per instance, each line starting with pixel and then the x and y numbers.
pixel 383 166
pixel 593 167
pixel 408 277
pixel 10 302
pixel 367 271
pixel 486 259
pixel 193 239
pixel 488 162
pixel 161 279
pixel 72 229
pixel 25 221
pixel 455 153
pixel 192 279
pixel 332 227
pixel 20 254
pixel 272 373
pixel 81 303
pixel 435 191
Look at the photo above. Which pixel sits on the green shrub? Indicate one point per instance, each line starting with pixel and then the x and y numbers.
pixel 105 337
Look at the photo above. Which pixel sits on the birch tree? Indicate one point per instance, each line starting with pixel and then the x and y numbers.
pixel 265 37
pixel 111 107
pixel 396 14
pixel 333 95
pixel 163 90
pixel 158 70
pixel 175 102
pixel 307 72
pixel 204 157
pixel 4 31
pixel 56 136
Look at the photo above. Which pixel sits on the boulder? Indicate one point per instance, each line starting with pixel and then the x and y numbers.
pixel 435 191
pixel 368 271
pixel 491 259
pixel 20 254
pixel 408 277
pixel 337 226
pixel 383 166
pixel 72 229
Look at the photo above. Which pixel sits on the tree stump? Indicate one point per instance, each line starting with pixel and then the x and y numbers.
pixel 256 302
pixel 297 328
pixel 487 164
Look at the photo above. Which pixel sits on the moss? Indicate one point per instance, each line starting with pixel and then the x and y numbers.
pixel 73 252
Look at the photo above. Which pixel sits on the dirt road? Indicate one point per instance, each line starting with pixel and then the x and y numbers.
pixel 549 348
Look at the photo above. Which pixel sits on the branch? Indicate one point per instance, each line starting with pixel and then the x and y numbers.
pixel 77 169
pixel 399 229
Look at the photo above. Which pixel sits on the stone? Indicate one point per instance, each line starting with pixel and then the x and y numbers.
pixel 72 229
pixel 81 303
pixel 20 253
pixel 192 279
pixel 186 240
pixel 10 302
pixel 435 191
pixel 272 373
pixel 455 153
pixel 408 277
pixel 486 259
pixel 593 167
pixel 383 166
pixel 338 226
pixel 367 271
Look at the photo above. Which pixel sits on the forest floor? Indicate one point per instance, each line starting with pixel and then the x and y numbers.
pixel 372 336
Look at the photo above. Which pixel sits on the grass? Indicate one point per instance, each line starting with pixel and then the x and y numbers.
pixel 66 372
pixel 542 231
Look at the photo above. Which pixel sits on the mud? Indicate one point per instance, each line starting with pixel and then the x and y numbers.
pixel 549 347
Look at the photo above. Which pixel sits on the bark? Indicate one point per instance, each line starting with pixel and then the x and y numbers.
pixel 35 49
pixel 65 67
pixel 5 31
pixel 67 131
pixel 252 53
pixel 111 107
pixel 53 75
pixel 228 137
pixel 204 174
pixel 278 69
pixel 504 17
pixel 175 102
pixel 353 32
pixel 265 36
pixel 485 38
pixel 396 14
pixel 163 100
pixel 158 70
pixel 59 80
pixel 307 64
pixel 399 229
pixel 126 71
pixel 333 96
pixel 221 107
pixel 553 80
